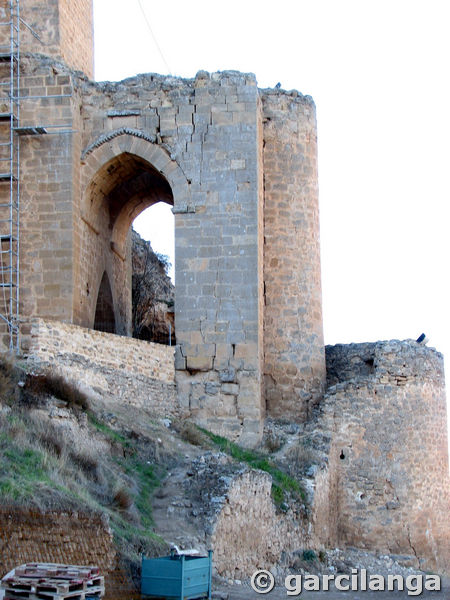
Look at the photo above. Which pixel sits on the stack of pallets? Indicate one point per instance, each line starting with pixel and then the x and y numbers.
pixel 47 581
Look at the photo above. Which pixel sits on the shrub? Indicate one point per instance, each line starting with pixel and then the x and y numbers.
pixel 309 555
pixel 273 443
pixel 123 499
pixel 190 433
pixel 56 385
pixel 300 457
pixel 87 463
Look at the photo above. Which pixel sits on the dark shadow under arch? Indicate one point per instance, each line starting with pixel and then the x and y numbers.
pixel 104 311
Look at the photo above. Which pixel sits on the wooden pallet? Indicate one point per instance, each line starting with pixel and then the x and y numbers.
pixel 47 581
pixel 56 571
pixel 94 594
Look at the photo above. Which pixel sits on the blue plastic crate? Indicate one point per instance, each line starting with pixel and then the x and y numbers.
pixel 177 577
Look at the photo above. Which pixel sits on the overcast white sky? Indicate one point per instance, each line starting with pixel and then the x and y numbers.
pixel 378 71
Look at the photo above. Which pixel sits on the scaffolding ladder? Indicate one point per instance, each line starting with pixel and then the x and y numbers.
pixel 9 169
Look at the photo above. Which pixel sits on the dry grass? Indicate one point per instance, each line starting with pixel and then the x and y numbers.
pixel 273 442
pixel 300 457
pixel 50 384
pixel 7 378
pixel 190 433
pixel 70 464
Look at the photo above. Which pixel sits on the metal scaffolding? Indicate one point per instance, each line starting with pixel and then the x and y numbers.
pixel 11 130
pixel 10 169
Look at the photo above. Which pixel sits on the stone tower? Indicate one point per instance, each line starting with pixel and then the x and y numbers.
pixel 65 29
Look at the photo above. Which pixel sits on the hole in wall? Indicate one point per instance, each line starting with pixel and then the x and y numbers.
pixel 342 455
pixel 369 367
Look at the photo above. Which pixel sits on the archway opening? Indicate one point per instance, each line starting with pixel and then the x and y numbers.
pixel 104 311
pixel 153 289
pixel 120 191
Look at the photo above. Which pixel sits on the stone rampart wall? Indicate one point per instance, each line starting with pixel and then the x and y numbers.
pixel 121 369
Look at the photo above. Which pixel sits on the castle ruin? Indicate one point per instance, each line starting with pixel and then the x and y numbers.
pixel 238 165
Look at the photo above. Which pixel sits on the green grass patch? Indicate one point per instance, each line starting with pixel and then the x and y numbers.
pixel 103 428
pixel 283 484
pixel 22 469
pixel 148 480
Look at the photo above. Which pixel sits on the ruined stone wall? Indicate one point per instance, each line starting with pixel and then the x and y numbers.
pixel 203 136
pixel 200 145
pixel 294 365
pixel 232 506
pixel 249 534
pixel 386 419
pixel 125 370
pixel 64 538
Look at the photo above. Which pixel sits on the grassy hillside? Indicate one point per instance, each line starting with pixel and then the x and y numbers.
pixel 57 453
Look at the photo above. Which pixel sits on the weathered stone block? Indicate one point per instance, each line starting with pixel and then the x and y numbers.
pixel 199 363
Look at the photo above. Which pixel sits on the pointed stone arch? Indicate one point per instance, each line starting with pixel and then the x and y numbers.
pixel 122 174
pixel 107 147
pixel 105 319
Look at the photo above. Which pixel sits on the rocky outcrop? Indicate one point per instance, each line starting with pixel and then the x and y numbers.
pixel 153 294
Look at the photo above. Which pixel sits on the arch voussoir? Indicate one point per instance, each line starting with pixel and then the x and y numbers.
pixel 106 148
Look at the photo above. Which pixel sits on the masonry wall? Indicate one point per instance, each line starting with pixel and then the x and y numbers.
pixel 204 137
pixel 218 292
pixel 64 29
pixel 193 143
pixel 249 534
pixel 133 372
pixel 77 34
pixel 388 455
pixel 294 363
pixel 46 252
pixel 64 538
pixel 199 145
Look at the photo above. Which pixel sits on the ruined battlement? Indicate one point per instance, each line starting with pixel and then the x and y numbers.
pixel 384 361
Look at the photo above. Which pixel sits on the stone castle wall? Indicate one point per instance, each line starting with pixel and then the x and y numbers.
pixel 132 372
pixel 249 533
pixel 384 425
pixel 215 148
pixel 203 136
pixel 200 146
pixel 46 192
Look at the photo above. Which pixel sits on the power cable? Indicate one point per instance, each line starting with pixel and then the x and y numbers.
pixel 154 38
